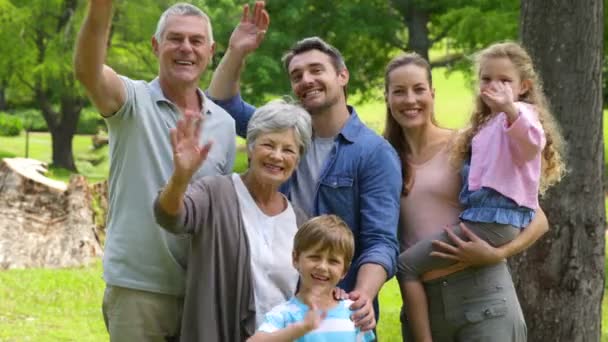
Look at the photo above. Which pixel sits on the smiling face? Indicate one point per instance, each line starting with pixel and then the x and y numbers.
pixel 184 50
pixel 501 70
pixel 410 97
pixel 316 82
pixel 273 157
pixel 320 270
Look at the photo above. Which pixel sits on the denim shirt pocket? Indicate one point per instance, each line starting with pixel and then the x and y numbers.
pixel 336 195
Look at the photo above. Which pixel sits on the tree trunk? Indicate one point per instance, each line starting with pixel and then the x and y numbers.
pixel 560 280
pixel 417 21
pixel 62 127
pixel 63 155
pixel 3 104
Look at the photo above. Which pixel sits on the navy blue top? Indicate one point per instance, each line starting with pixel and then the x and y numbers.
pixel 490 206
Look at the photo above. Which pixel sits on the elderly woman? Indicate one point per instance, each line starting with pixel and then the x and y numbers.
pixel 242 227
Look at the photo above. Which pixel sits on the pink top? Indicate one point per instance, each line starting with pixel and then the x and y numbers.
pixel 508 158
pixel 432 202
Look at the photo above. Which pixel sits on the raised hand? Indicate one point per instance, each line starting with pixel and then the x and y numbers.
pixel 188 154
pixel 498 96
pixel 250 32
pixel 313 318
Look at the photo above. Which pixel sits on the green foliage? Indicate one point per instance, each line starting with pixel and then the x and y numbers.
pixel 90 122
pixel 10 125
pixel 32 120
pixel 362 30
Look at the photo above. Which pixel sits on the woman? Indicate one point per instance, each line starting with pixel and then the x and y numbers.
pixel 242 227
pixel 464 303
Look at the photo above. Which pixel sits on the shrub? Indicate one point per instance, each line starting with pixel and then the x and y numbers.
pixel 10 125
pixel 90 121
pixel 32 118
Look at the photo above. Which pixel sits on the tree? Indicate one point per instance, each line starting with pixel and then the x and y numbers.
pixel 38 45
pixel 43 32
pixel 561 279
pixel 369 33
pixel 360 29
pixel 466 24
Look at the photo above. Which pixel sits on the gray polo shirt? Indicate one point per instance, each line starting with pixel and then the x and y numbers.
pixel 139 254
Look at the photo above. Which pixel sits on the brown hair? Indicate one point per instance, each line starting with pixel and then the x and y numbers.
pixel 316 43
pixel 553 167
pixel 326 232
pixel 392 130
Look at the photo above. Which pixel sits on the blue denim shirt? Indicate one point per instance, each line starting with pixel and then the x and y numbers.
pixel 489 205
pixel 360 182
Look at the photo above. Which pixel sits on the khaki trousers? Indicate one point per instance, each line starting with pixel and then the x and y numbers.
pixel 476 305
pixel 134 315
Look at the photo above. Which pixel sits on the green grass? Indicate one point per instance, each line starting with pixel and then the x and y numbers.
pixel 65 305
pixel 92 163
pixel 52 305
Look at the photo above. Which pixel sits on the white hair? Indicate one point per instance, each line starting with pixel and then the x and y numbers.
pixel 181 9
pixel 278 115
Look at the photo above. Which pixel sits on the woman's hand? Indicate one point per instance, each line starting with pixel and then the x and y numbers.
pixel 475 252
pixel 188 154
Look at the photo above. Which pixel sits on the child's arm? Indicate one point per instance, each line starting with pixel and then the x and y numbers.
pixel 293 331
pixel 526 135
pixel 525 132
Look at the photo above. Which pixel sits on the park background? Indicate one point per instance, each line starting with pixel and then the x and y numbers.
pixel 38 94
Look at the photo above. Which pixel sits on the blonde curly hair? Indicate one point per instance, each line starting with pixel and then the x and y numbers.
pixel 553 166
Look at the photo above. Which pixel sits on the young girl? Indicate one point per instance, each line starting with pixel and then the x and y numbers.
pixel 510 153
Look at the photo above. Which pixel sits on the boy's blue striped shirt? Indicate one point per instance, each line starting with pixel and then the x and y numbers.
pixel 337 326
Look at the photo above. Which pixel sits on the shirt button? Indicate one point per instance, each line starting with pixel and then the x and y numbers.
pixel 444 283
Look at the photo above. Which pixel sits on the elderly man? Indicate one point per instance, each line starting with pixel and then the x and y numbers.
pixel 144 267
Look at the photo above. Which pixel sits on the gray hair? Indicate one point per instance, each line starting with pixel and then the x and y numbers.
pixel 181 9
pixel 278 115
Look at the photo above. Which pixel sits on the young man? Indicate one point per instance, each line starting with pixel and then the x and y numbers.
pixel 349 171
pixel 323 249
pixel 144 267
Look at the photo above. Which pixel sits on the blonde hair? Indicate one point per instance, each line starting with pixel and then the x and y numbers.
pixel 552 166
pixel 326 232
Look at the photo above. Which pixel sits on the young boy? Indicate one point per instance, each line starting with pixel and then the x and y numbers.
pixel 322 252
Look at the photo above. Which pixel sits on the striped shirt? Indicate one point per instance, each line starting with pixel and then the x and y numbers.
pixel 337 326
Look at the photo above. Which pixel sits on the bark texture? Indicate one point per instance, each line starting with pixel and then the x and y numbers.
pixel 560 280
pixel 44 223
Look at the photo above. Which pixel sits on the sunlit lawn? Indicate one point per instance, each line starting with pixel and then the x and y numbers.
pixel 65 305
